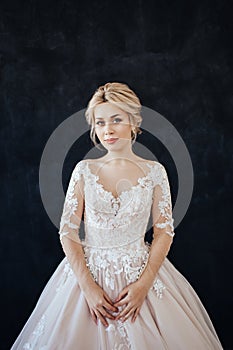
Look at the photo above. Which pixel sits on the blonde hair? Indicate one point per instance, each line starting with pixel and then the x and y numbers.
pixel 120 95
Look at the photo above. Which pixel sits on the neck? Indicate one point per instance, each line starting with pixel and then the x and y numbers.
pixel 126 154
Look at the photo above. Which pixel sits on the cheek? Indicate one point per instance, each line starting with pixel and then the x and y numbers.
pixel 97 131
pixel 126 129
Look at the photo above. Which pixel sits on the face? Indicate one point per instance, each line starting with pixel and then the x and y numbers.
pixel 112 126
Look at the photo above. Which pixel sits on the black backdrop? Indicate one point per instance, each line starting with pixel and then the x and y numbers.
pixel 177 56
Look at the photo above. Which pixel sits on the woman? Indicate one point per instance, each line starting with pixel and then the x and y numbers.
pixel 112 290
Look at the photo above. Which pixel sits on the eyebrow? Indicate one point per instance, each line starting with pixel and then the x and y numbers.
pixel 112 116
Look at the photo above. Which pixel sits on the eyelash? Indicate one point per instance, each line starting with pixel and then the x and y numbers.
pixel 100 121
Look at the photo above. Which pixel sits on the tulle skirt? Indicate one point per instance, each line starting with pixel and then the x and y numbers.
pixel 171 317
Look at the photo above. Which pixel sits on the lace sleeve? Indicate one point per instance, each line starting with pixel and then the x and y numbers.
pixel 73 206
pixel 162 205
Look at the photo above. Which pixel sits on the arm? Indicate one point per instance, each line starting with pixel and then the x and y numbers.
pixel 134 294
pixel 69 228
pixel 163 230
pixel 97 299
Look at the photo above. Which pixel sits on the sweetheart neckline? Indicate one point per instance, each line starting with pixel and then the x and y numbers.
pixel 138 184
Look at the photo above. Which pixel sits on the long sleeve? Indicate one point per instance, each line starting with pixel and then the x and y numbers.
pixel 162 205
pixel 73 206
pixel 69 227
pixel 163 230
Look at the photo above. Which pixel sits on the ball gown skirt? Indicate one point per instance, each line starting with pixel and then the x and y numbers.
pixel 171 317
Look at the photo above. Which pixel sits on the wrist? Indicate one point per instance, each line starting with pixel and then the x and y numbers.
pixel 87 283
pixel 146 279
pixel 144 284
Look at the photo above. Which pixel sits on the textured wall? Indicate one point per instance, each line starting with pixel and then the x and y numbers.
pixel 177 56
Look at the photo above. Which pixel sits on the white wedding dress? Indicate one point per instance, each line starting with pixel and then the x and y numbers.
pixel 172 315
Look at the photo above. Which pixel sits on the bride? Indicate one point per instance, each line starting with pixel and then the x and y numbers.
pixel 112 290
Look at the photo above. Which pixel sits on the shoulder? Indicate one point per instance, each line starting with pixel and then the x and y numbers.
pixel 159 173
pixel 83 167
pixel 155 164
pixel 158 170
pixel 79 168
pixel 90 161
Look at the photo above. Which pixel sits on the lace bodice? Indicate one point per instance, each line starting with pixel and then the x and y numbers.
pixel 111 221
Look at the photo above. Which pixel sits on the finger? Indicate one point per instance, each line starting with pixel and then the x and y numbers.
pixel 101 318
pixel 110 306
pixel 122 293
pixel 93 316
pixel 135 314
pixel 122 302
pixel 106 314
pixel 123 312
pixel 106 296
pixel 124 318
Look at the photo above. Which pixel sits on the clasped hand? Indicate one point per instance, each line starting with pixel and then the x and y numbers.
pixel 130 299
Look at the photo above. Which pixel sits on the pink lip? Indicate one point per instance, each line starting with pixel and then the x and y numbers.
pixel 112 140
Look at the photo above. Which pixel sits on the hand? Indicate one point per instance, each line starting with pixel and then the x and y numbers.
pixel 133 296
pixel 99 302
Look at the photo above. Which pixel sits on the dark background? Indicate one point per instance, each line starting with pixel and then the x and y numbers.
pixel 177 56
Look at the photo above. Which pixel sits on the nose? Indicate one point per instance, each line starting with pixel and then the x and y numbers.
pixel 108 129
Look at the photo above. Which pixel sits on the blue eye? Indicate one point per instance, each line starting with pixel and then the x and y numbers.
pixel 117 120
pixel 99 122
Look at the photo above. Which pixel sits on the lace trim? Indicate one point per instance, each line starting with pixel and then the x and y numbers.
pixel 165 205
pixel 125 208
pixel 35 336
pixel 158 286
pixel 71 203
pixel 145 181
pixel 97 263
pixel 67 272
pixel 130 262
pixel 116 330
